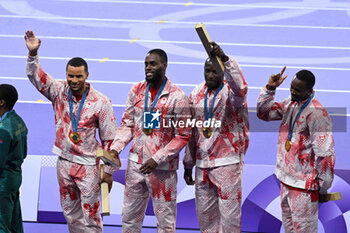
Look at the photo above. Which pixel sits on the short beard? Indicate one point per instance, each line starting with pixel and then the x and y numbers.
pixel 213 86
pixel 157 76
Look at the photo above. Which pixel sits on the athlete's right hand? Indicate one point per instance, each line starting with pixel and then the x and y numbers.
pixel 32 43
pixel 276 79
pixel 114 155
pixel 188 177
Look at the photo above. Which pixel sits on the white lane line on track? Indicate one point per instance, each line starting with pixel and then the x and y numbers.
pixel 48 102
pixel 123 105
pixel 299 6
pixel 330 113
pixel 178 84
pixel 184 63
pixel 179 42
pixel 173 22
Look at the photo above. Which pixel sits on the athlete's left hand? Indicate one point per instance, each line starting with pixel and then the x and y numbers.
pixel 108 178
pixel 149 166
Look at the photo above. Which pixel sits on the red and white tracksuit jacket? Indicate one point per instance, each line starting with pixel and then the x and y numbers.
pixel 309 164
pixel 219 159
pixel 76 159
pixel 163 146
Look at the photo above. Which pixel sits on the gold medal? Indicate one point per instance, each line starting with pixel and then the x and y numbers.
pixel 148 131
pixel 288 145
pixel 207 132
pixel 74 137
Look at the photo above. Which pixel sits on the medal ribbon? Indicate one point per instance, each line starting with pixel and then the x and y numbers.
pixel 291 122
pixel 209 115
pixel 156 98
pixel 75 122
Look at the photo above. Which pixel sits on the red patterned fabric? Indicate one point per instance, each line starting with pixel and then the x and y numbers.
pixel 219 159
pixel 97 113
pixel 218 198
pixel 309 164
pixel 163 146
pixel 80 196
pixel 299 210
pixel 161 186
pixel 228 143
pixel 77 170
pixel 308 167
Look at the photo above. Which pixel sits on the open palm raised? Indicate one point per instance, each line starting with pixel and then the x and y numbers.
pixel 32 43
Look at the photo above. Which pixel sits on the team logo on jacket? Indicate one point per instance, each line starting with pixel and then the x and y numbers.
pixel 151 120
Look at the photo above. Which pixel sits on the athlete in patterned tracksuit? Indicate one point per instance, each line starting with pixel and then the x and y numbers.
pixel 219 157
pixel 13 150
pixel 154 156
pixel 305 153
pixel 77 166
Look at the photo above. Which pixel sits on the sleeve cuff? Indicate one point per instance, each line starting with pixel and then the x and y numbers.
pixel 267 90
pixel 231 63
pixel 158 158
pixel 110 169
pixel 116 147
pixel 32 58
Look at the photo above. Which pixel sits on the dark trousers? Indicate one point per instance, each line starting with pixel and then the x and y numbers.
pixel 10 213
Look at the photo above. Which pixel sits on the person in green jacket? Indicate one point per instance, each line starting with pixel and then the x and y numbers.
pixel 13 150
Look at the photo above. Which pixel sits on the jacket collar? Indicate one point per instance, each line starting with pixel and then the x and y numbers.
pixel 5 114
pixel 166 90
